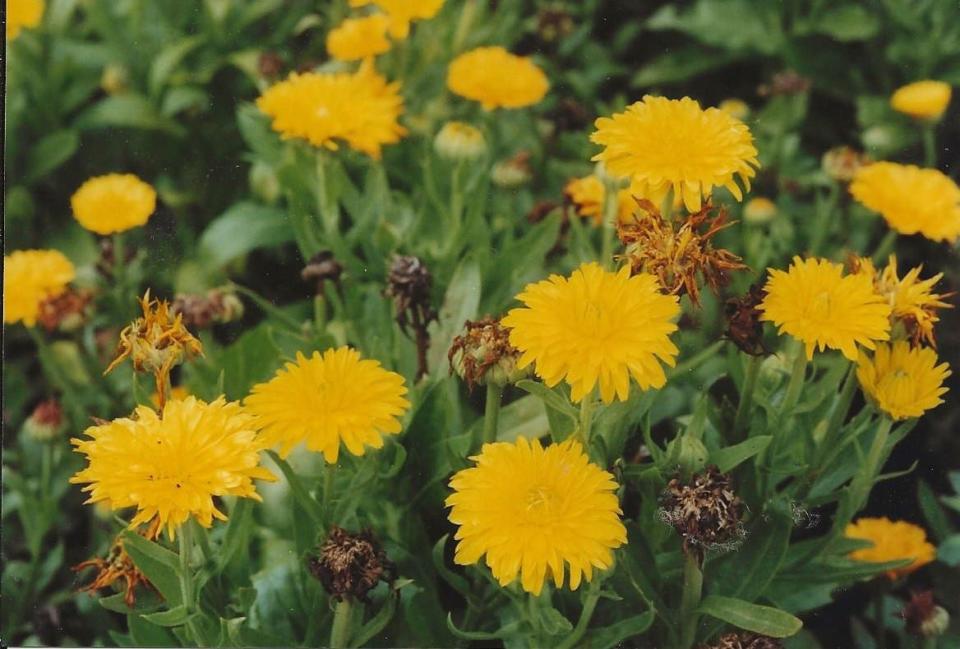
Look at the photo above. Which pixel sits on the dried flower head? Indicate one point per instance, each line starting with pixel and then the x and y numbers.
pixel 891 540
pixel 270 65
pixel 115 567
pixel 321 268
pixel 786 82
pixel 743 321
pixel 113 203
pixel 46 421
pixel 496 78
pixel 923 617
pixel 744 640
pixel 218 306
pixel 926 100
pixel 409 283
pixel 359 38
pixel 156 342
pixel 350 565
pixel 483 354
pixel 913 302
pixel 841 163
pixel 66 311
pixel 31 277
pixel 554 23
pixel 705 511
pixel 679 252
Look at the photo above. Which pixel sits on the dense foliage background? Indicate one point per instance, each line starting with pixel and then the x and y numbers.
pixel 165 90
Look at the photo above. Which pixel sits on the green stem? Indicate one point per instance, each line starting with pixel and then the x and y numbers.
pixel 491 412
pixel 879 621
pixel 841 408
pixel 589 605
pixel 609 224
pixel 795 386
pixel 825 210
pixel 329 472
pixel 690 599
pixel 929 134
pixel 697 359
pixel 46 463
pixel 456 208
pixel 886 247
pixel 120 273
pixel 186 581
pixel 342 617
pixel 586 419
pixel 746 395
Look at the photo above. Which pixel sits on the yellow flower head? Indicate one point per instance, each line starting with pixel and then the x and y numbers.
pixel 497 79
pixel 912 299
pixel 22 13
pixel 359 38
pixel 170 466
pixel 360 108
pixel 903 381
pixel 328 399
pixel 759 210
pixel 922 99
pixel 29 278
pixel 588 195
pixel 735 108
pixel 596 327
pixel 814 302
pixel 537 512
pixel 402 12
pixel 911 199
pixel 664 144
pixel 892 540
pixel 459 141
pixel 113 203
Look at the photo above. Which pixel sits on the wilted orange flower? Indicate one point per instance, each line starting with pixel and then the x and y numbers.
pixel 115 567
pixel 680 251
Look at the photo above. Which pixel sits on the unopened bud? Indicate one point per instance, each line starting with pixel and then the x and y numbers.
pixel 841 163
pixel 759 210
pixel 483 355
pixel 512 172
pixel 459 141
pixel 46 422
pixel 736 108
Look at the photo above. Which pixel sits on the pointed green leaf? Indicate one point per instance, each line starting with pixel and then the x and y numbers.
pixel 159 565
pixel 729 458
pixel 751 617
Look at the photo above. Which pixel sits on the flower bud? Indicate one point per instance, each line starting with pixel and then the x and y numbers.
pixel 841 163
pixel 483 355
pixel 736 108
pixel 114 79
pixel 512 172
pixel 759 210
pixel 46 421
pixel 923 617
pixel 459 141
pixel 264 183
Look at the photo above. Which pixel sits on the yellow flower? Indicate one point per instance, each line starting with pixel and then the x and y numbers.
pixel 903 381
pixel 359 38
pixel 911 199
pixel 759 210
pixel 664 144
pixel 735 108
pixel 814 302
pixel 459 141
pixel 113 203
pixel 589 193
pixel 325 400
pixel 596 327
pixel 29 278
pixel 171 467
pixel 402 12
pixel 922 99
pixel 497 79
pixel 22 13
pixel 892 540
pixel 913 301
pixel 537 512
pixel 361 109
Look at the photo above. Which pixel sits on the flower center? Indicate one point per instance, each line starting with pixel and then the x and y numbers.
pixel 540 503
pixel 820 305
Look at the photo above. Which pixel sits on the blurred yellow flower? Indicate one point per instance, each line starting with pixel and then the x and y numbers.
pixel 113 203
pixel 903 381
pixel 22 13
pixel 735 108
pixel 359 38
pixel 402 12
pixel 759 210
pixel 29 278
pixel 913 301
pixel 814 302
pixel 360 108
pixel 588 195
pixel 596 327
pixel 171 467
pixel 325 400
pixel 497 79
pixel 911 199
pixel 459 141
pixel 536 512
pixel 663 144
pixel 892 540
pixel 926 99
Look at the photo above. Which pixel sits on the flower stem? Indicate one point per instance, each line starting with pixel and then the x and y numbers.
pixel 690 599
pixel 746 395
pixel 491 413
pixel 120 273
pixel 878 620
pixel 340 632
pixel 586 419
pixel 929 134
pixel 456 208
pixel 186 580
pixel 825 209
pixel 795 386
pixel 589 605
pixel 885 247
pixel 610 208
pixel 329 472
pixel 837 416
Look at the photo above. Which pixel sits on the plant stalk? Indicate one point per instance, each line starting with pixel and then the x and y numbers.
pixel 340 631
pixel 609 224
pixel 690 599
pixel 589 605
pixel 929 136
pixel 586 419
pixel 491 413
pixel 186 581
pixel 746 396
pixel 886 247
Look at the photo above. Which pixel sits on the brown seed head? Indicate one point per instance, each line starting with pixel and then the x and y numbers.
pixel 322 267
pixel 350 565
pixel 841 163
pixel 409 284
pixel 705 511
pixel 922 615
pixel 744 640
pixel 787 82
pixel 554 23
pixel 66 311
pixel 743 321
pixel 218 306
pixel 483 354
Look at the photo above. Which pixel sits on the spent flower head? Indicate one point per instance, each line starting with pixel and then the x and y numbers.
pixel 483 355
pixel 117 566
pixel 350 565
pixel 704 510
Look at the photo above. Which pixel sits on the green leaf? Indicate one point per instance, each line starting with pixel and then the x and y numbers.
pixel 729 458
pixel 237 535
pixel 550 398
pixel 255 130
pixel 459 583
pixel 751 617
pixel 298 489
pixel 727 24
pixel 949 551
pixel 50 152
pixel 932 511
pixel 553 621
pixel 173 617
pixel 244 227
pixel 147 602
pixel 459 305
pixel 168 60
pixel 127 111
pixel 481 635
pixel 681 65
pixel 147 634
pixel 378 622
pixel 159 565
pixel 848 22
pixel 617 634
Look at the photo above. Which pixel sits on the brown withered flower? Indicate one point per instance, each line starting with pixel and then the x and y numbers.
pixel 743 321
pixel 46 421
pixel 680 251
pixel 218 306
pixel 787 82
pixel 841 163
pixel 554 23
pixel 115 567
pixel 107 261
pixel 270 65
pixel 744 640
pixel 922 615
pixel 483 355
pixel 350 565
pixel 409 283
pixel 156 342
pixel 705 511
pixel 65 311
pixel 321 268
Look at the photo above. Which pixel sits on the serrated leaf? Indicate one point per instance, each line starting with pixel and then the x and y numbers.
pixel 751 617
